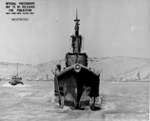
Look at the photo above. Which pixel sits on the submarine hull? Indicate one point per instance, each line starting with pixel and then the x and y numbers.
pixel 76 84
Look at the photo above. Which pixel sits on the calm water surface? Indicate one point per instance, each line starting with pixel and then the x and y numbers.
pixel 126 101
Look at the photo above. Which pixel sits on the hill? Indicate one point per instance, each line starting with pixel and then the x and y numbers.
pixel 122 68
pixel 111 68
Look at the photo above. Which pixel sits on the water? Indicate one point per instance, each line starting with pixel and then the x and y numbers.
pixel 34 101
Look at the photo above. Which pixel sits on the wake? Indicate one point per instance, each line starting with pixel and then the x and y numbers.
pixel 16 86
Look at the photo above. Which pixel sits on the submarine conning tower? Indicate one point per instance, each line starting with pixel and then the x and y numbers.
pixel 76 38
pixel 76 56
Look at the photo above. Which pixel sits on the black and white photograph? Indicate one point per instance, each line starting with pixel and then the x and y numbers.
pixel 74 60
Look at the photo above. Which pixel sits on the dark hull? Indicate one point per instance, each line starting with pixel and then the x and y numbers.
pixel 16 80
pixel 76 84
pixel 16 83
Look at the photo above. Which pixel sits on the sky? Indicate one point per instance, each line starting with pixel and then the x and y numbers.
pixel 108 27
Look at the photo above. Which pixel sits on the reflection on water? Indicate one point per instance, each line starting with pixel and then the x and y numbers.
pixel 34 101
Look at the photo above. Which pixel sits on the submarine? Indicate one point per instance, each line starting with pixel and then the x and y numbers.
pixel 76 85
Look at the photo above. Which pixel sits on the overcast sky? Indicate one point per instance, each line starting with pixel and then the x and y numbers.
pixel 108 27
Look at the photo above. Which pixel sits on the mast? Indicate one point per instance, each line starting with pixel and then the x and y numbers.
pixel 76 38
pixel 76 24
pixel 17 69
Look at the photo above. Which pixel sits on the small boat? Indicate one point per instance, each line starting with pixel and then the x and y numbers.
pixel 16 79
pixel 76 85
